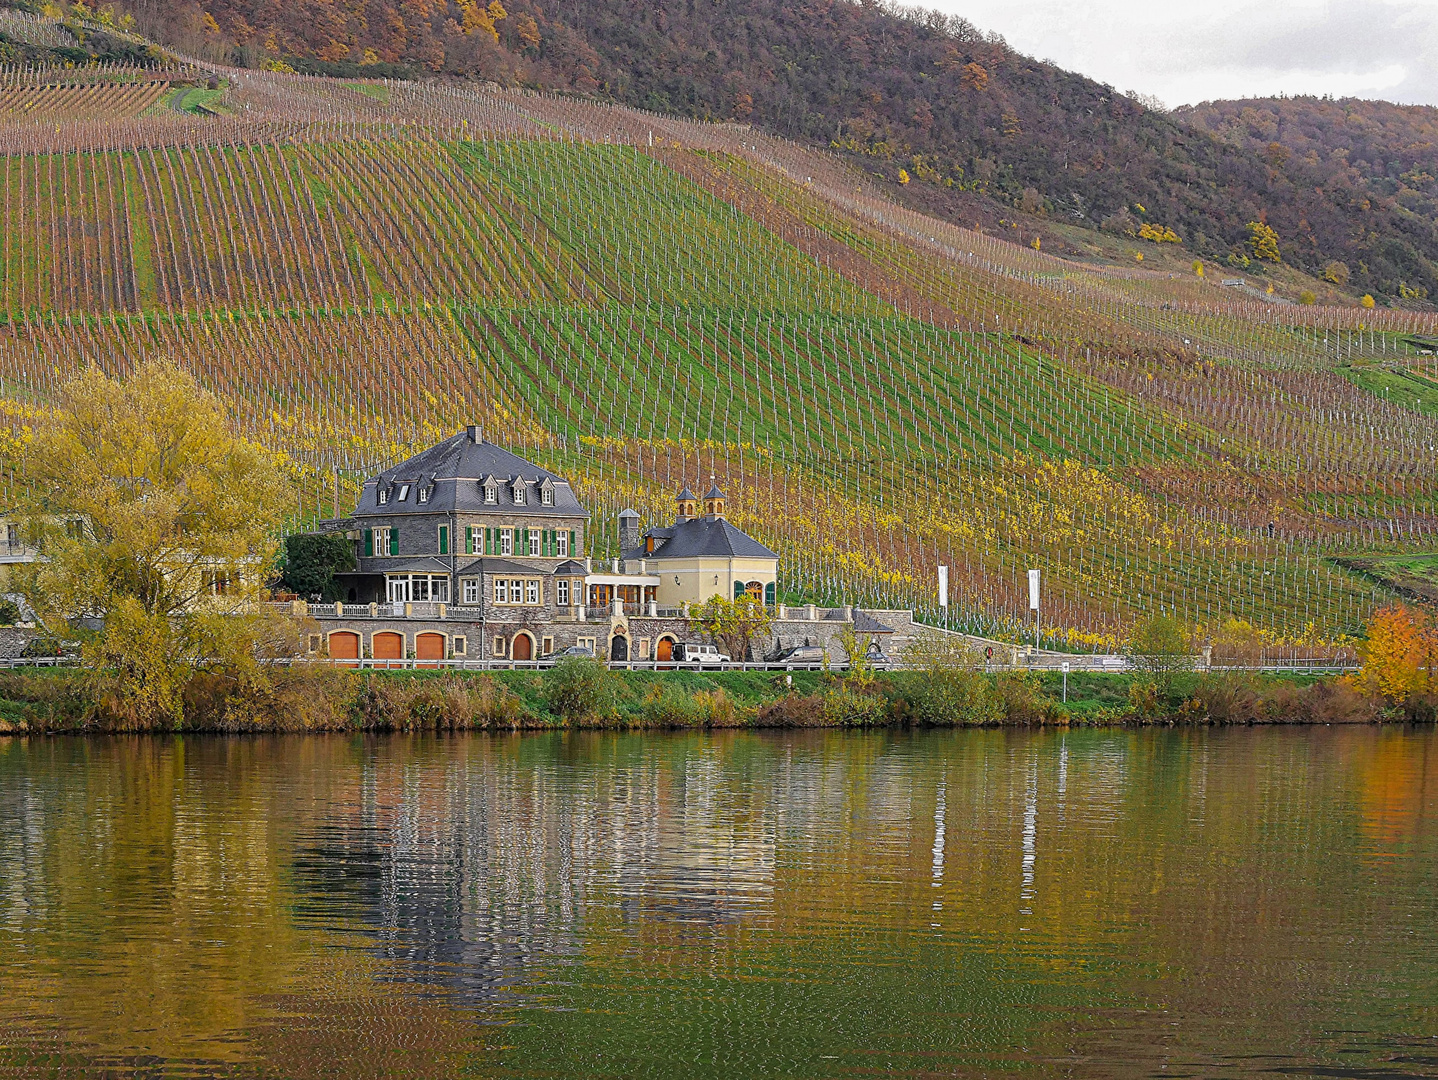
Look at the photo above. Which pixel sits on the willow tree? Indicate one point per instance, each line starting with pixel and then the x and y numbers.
pixel 157 526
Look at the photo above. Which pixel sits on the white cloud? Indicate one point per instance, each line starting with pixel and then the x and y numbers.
pixel 1185 53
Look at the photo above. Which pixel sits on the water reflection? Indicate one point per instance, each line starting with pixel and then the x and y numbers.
pixel 1083 903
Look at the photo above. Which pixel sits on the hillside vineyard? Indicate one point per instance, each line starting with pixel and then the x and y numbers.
pixel 639 302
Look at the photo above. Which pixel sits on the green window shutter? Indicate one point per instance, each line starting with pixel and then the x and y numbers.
pixel 444 539
pixel 469 539
pixel 769 594
pixel 488 541
pixel 393 540
pixel 573 553
pixel 738 589
pixel 549 543
pixel 369 542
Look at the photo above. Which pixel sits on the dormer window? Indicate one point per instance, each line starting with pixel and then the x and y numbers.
pixel 491 494
pixel 382 495
pixel 519 492
pixel 403 492
pixel 424 494
pixel 546 496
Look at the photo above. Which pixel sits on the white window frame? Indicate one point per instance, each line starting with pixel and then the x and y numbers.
pixel 381 495
pixel 561 589
pixel 424 494
pixel 519 493
pixel 536 543
pixel 563 543
pixel 491 495
pixel 469 589
pixel 396 588
pixel 501 590
pixel 403 493
pixel 546 496
pixel 532 593
pixel 506 541
pixel 380 540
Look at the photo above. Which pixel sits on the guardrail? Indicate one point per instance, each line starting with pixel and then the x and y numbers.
pixel 369 663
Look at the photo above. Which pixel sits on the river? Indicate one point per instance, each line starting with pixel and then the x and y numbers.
pixel 1200 902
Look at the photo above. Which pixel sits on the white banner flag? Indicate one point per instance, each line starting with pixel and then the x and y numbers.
pixel 943 586
pixel 1033 590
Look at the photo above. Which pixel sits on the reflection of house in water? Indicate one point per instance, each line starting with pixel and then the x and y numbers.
pixel 486 869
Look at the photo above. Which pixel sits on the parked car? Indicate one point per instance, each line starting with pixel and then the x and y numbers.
pixel 691 653
pixel 573 650
pixel 876 657
pixel 803 655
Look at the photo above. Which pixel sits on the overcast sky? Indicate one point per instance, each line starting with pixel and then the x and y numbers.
pixel 1186 51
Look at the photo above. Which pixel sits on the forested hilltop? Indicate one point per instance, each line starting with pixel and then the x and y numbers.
pixel 922 99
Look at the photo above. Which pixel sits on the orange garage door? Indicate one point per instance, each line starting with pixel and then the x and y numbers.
pixel 344 646
pixel 429 647
pixel 388 646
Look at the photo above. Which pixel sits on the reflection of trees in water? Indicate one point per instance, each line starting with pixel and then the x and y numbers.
pixel 481 870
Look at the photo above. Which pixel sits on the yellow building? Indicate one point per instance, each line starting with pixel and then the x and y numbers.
pixel 699 556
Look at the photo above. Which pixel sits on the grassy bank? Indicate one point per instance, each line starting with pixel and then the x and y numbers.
pixel 584 695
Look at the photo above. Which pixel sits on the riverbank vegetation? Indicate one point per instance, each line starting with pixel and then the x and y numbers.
pixel 583 694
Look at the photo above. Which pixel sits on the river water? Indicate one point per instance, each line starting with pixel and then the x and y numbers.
pixel 817 904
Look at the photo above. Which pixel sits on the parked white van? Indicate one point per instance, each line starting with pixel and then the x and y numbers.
pixel 690 653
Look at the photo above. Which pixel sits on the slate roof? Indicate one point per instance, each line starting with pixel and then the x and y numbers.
pixel 492 565
pixel 864 623
pixel 414 564
pixel 702 537
pixel 454 469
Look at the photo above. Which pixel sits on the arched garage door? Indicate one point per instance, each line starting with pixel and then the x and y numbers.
pixel 388 646
pixel 429 647
pixel 345 645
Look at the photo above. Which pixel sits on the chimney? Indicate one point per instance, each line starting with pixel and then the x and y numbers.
pixel 473 432
pixel 628 530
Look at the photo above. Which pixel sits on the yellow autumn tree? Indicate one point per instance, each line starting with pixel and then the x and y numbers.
pixel 1399 655
pixel 1263 241
pixel 157 526
pixel 477 18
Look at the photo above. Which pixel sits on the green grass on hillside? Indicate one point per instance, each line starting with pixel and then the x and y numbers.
pixel 1398 385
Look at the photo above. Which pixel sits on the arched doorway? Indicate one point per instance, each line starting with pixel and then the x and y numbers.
pixel 344 645
pixel 387 646
pixel 664 650
pixel 429 647
pixel 522 648
pixel 619 647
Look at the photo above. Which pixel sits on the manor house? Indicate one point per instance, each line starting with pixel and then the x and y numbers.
pixel 466 551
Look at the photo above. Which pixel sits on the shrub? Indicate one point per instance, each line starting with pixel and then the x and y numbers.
pixel 1159 647
pixel 1021 699
pixel 847 707
pixel 793 710
pixel 667 705
pixel 578 688
pixel 949 688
